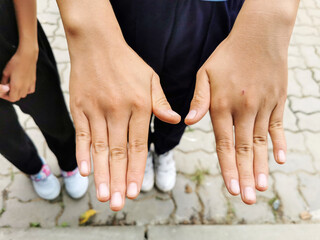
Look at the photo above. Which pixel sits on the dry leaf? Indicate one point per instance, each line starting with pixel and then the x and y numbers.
pixel 305 215
pixel 188 189
pixel 86 216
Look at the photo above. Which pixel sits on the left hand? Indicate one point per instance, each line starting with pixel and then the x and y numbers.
pixel 20 75
pixel 244 84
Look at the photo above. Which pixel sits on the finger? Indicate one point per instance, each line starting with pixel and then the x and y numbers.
pixel 138 151
pixel 244 155
pixel 32 89
pixel 98 128
pixel 83 141
pixel 260 150
pixel 160 106
pixel 14 95
pixel 223 129
pixel 4 89
pixel 118 129
pixel 5 77
pixel 201 99
pixel 277 134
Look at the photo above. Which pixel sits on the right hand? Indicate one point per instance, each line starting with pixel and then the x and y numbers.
pixel 112 95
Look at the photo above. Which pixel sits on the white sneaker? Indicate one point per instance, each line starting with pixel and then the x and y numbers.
pixel 76 185
pixel 165 168
pixel 148 179
pixel 46 185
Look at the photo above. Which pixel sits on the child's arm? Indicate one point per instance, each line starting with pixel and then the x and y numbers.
pixel 244 84
pixel 20 72
pixel 110 100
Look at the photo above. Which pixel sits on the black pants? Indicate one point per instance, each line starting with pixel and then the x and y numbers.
pixel 46 106
pixel 175 37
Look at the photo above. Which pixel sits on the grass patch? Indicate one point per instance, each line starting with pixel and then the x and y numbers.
pixel 34 225
pixel 199 175
pixel 64 225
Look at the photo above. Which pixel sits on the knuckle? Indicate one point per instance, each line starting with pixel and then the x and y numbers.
pixel 250 104
pixel 161 101
pixel 198 99
pixel 244 148
pixel 83 136
pixel 260 140
pixel 276 125
pixel 220 105
pixel 118 153
pixel 5 73
pixel 224 145
pixel 141 103
pixel 138 145
pixel 99 146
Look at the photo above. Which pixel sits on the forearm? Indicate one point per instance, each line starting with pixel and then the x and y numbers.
pixel 267 23
pixel 26 15
pixel 89 24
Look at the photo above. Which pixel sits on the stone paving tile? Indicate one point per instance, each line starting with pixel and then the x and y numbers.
pixel 195 140
pixel 214 202
pixel 292 203
pixel 188 205
pixel 73 210
pixel 4 183
pixel 309 186
pixel 260 212
pixel 22 188
pixel 295 162
pixel 20 215
pixel 190 162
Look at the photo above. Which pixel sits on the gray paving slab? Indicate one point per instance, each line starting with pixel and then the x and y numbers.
pixel 242 232
pixel 84 233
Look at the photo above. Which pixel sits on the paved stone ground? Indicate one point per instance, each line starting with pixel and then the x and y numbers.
pixel 294 187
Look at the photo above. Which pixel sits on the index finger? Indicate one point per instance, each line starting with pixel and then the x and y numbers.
pixel 138 151
pixel 83 141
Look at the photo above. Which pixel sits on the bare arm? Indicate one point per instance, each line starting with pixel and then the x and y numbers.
pixel 26 14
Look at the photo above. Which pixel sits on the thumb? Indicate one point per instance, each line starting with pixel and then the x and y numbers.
pixel 201 99
pixel 160 106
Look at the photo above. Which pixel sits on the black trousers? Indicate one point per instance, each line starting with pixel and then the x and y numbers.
pixel 46 106
pixel 175 37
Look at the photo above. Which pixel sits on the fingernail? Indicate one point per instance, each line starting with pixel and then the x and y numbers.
pixel 103 190
pixel 84 167
pixel 234 186
pixel 249 194
pixel 5 88
pixel 262 180
pixel 116 200
pixel 191 114
pixel 173 113
pixel 132 190
pixel 281 156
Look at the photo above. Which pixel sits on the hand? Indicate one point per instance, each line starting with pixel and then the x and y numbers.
pixel 112 95
pixel 20 75
pixel 244 83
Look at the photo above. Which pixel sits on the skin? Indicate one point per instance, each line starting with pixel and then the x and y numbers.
pixel 248 93
pixel 19 75
pixel 113 96
pixel 111 100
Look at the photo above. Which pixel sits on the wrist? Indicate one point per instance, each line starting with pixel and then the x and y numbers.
pixel 30 51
